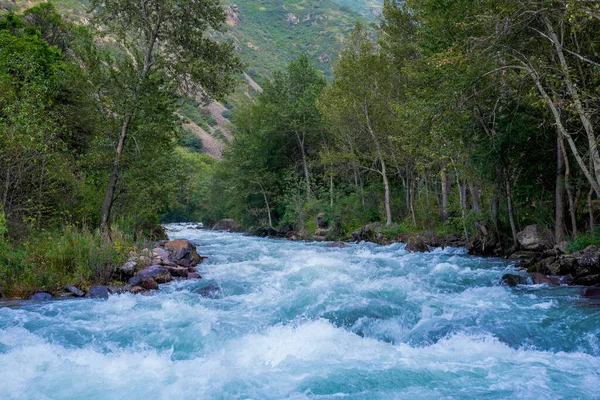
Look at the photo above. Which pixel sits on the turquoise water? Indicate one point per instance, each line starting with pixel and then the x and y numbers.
pixel 299 320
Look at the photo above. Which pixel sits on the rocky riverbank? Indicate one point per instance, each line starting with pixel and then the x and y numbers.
pixel 541 260
pixel 143 273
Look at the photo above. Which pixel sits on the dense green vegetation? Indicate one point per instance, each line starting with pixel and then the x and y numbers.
pixel 452 117
pixel 85 117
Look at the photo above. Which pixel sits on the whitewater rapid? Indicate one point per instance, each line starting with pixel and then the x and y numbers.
pixel 303 321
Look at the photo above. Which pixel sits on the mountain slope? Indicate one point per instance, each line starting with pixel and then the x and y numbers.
pixel 271 33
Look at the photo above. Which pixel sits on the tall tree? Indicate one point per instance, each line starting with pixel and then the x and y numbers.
pixel 164 44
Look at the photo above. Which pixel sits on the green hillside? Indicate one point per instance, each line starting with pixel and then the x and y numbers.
pixel 367 8
pixel 271 33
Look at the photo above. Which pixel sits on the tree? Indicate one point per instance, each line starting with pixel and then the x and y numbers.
pixel 164 45
pixel 358 103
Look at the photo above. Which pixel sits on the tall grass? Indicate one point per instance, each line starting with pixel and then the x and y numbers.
pixel 52 260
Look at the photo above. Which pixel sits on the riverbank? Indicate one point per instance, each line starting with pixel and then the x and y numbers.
pixel 301 320
pixel 544 261
pixel 77 262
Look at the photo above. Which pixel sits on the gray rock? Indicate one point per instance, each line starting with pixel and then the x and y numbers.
pixel 535 238
pixel 128 269
pixel 41 296
pixel 416 245
pixel 76 292
pixel 211 291
pixel 513 280
pixel 366 233
pixel 159 273
pixel 98 292
pixel 336 245
pixel 183 253
pixel 541 279
pixel 228 225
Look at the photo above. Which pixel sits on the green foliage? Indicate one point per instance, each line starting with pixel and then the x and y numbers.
pixel 591 238
pixel 227 114
pixel 52 260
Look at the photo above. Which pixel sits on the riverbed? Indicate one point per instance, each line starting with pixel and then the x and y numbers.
pixel 304 321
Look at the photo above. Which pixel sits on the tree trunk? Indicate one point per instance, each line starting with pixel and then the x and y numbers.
pixel 511 216
pixel 476 197
pixel 445 194
pixel 267 205
pixel 585 121
pixel 590 209
pixel 114 176
pixel 304 165
pixel 559 197
pixel 561 128
pixel 572 201
pixel 386 183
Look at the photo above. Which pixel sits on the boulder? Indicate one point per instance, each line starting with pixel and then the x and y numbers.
pixel 97 292
pixel 322 232
pixel 591 292
pixel 41 296
pixel 128 269
pixel 211 291
pixel 541 279
pixel 486 241
pixel 416 245
pixel 136 290
pixel 587 261
pixel 367 233
pixel 178 272
pixel 588 280
pixel 322 221
pixel 535 238
pixel 513 280
pixel 336 245
pixel 76 292
pixel 183 253
pixel 159 273
pixel 193 275
pixel 228 225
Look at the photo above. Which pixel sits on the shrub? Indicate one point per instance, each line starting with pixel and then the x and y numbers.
pixel 227 114
pixel 582 241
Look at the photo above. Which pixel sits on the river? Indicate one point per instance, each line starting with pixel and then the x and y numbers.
pixel 300 320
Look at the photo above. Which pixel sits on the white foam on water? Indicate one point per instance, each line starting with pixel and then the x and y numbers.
pixel 297 320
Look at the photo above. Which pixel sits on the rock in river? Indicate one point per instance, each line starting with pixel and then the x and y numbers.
pixel 41 296
pixel 97 292
pixel 513 280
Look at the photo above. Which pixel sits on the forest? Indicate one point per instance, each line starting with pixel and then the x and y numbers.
pixel 461 117
pixel 443 117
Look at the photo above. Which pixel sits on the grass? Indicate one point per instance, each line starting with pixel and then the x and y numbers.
pixel 51 260
pixel 584 240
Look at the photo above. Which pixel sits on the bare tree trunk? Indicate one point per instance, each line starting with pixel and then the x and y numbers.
pixel 267 205
pixel 511 216
pixel 462 193
pixel 590 209
pixel 476 196
pixel 386 185
pixel 114 176
pixel 561 128
pixel 304 165
pixel 559 198
pixel 383 172
pixel 585 121
pixel 572 201
pixel 445 194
